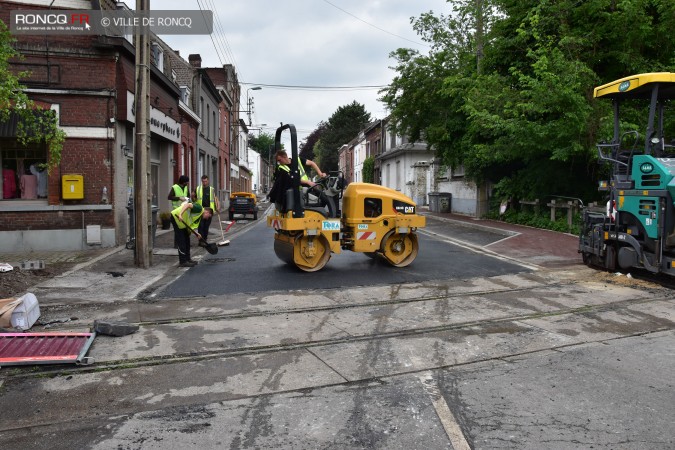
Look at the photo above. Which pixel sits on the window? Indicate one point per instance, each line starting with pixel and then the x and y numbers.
pixel 201 108
pixel 220 120
pixel 372 207
pixel 458 172
pixel 398 175
pixel 191 153
pixel 157 54
pixel 22 177
pixel 185 94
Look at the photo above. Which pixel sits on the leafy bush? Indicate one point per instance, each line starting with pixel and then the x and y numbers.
pixel 539 220
pixel 368 172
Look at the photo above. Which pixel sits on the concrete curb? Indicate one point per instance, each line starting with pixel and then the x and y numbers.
pixel 85 264
pixel 462 223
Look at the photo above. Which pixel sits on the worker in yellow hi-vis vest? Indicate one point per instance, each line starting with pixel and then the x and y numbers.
pixel 184 219
pixel 206 196
pixel 179 194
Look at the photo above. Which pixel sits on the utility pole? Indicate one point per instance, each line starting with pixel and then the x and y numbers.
pixel 270 166
pixel 142 199
pixel 249 102
pixel 249 106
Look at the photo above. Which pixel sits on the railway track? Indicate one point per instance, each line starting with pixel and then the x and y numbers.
pixel 351 346
pixel 543 302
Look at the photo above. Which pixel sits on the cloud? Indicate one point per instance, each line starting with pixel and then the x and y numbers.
pixel 306 43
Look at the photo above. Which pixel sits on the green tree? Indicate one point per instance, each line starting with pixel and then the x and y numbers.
pixel 35 124
pixel 427 96
pixel 318 151
pixel 307 148
pixel 343 126
pixel 368 171
pixel 506 89
pixel 531 113
pixel 262 144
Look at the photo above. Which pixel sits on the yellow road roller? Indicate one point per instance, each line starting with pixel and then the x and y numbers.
pixel 364 217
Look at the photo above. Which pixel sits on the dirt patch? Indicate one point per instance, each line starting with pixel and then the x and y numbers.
pixel 627 280
pixel 16 282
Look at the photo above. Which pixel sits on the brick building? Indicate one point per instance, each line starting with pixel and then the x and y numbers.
pixel 373 133
pixel 89 81
pixel 226 82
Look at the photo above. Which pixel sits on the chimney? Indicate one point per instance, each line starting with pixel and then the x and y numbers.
pixel 195 60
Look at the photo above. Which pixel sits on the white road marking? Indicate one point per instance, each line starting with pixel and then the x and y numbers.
pixel 478 249
pixel 452 428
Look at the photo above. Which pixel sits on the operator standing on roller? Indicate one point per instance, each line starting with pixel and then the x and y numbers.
pixel 284 160
pixel 283 180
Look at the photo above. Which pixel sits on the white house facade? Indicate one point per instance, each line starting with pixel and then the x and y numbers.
pixel 414 170
pixel 255 166
pixel 359 157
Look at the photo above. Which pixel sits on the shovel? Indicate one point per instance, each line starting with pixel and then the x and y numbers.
pixel 211 248
pixel 224 241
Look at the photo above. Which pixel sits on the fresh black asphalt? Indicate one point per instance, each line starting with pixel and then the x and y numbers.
pixel 249 264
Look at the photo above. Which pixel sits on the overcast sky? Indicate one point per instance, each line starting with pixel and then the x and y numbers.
pixel 320 43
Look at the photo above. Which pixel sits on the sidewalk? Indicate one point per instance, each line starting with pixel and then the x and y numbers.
pixel 532 245
pixel 98 274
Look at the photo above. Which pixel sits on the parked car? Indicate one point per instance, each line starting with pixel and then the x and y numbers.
pixel 243 203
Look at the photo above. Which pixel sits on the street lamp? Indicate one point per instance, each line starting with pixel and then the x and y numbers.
pixel 249 101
